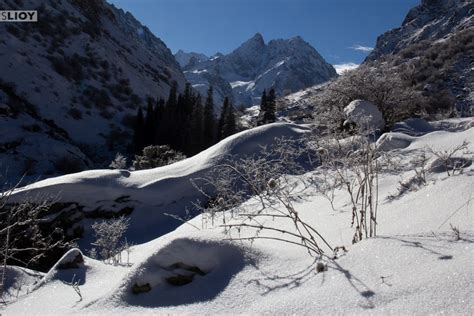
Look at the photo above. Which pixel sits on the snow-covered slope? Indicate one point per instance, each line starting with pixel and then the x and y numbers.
pixel 149 193
pixel 85 66
pixel 288 65
pixel 415 265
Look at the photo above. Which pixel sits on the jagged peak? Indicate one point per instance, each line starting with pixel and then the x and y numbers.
pixel 256 40
pixel 258 37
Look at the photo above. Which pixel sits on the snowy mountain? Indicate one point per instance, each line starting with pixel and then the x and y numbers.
pixel 436 39
pixel 71 84
pixel 416 265
pixel 288 65
pixel 432 20
pixel 185 59
pixel 432 52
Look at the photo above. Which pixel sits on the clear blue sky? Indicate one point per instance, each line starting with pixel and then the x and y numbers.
pixel 333 27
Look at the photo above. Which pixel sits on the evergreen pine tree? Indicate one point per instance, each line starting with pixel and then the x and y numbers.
pixel 139 132
pixel 230 126
pixel 209 120
pixel 221 123
pixel 267 108
pixel 169 116
pixel 149 124
pixel 184 123
pixel 196 126
pixel 270 108
pixel 172 98
pixel 159 119
pixel 188 100
pixel 263 105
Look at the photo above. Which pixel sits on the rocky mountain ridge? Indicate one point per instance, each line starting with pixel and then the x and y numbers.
pixel 431 20
pixel 288 65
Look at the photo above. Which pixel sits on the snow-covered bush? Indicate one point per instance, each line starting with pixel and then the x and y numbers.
pixel 452 160
pixel 383 87
pixel 109 235
pixel 352 162
pixel 157 156
pixel 119 162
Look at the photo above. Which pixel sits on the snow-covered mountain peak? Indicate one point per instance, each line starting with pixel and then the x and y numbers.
pixel 185 59
pixel 255 43
pixel 288 65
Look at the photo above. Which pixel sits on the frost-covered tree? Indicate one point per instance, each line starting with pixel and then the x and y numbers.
pixel 209 120
pixel 109 235
pixel 157 156
pixel 119 162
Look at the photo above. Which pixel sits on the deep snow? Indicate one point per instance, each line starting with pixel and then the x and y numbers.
pixel 414 266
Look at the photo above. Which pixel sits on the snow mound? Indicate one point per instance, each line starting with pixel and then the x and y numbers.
pixel 391 141
pixel 419 127
pixel 152 193
pixel 19 281
pixel 417 264
pixel 364 114
pixel 185 271
pixel 413 127
pixel 70 268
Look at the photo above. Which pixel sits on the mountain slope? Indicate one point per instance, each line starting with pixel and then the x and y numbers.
pixel 288 65
pixel 432 20
pixel 436 41
pixel 86 66
pixel 184 59
pixel 431 55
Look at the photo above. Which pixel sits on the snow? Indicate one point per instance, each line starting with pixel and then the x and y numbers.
pixel 197 71
pixel 236 84
pixel 341 68
pixel 414 266
pixel 255 66
pixel 365 114
pixel 153 192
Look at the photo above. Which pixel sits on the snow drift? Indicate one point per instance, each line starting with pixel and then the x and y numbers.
pixel 154 192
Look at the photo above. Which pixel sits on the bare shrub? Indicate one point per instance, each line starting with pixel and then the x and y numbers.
pixel 263 182
pixel 22 239
pixel 379 85
pixel 354 161
pixel 326 184
pixel 456 232
pixel 109 234
pixel 420 166
pixel 450 163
